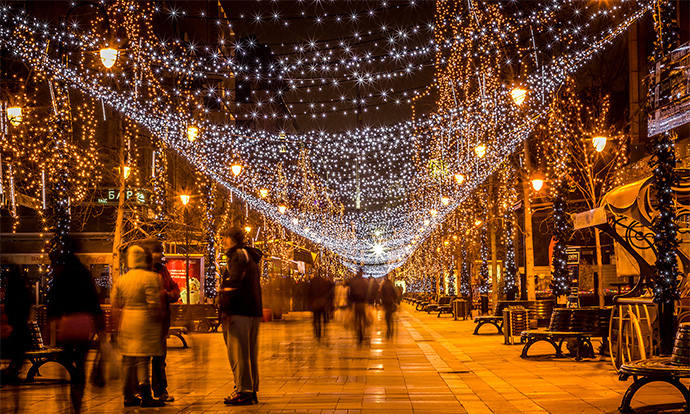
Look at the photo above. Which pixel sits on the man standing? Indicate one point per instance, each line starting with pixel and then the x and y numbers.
pixel 170 293
pixel 241 312
pixel 357 295
pixel 389 300
pixel 320 293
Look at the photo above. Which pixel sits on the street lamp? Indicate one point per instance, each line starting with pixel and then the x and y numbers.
pixel 599 143
pixel 184 198
pixel 14 115
pixel 236 168
pixel 518 94
pixel 109 57
pixel 537 181
pixel 480 150
pixel 192 133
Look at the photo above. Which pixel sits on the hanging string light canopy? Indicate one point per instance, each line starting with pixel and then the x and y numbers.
pixel 352 175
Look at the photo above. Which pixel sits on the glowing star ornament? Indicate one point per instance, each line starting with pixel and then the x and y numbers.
pixel 282 208
pixel 599 143
pixel 459 178
pixel 433 212
pixel 378 249
pixel 109 57
pixel 445 200
pixel 14 115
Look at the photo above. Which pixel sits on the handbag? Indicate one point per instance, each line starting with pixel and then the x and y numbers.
pixel 75 328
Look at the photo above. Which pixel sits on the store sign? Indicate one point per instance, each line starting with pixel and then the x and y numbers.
pixel 112 196
pixel 669 92
pixel 589 218
pixel 177 266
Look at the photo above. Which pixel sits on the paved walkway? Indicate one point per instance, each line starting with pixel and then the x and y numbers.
pixel 434 365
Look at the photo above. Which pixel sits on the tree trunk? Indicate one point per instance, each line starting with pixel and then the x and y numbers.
pixel 117 236
pixel 529 245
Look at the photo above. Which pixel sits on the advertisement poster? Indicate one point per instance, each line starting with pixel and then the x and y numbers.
pixel 176 264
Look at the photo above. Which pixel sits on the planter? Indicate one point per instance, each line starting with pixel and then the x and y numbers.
pixel 268 315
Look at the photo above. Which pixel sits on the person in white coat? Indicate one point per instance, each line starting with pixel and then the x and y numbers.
pixel 136 296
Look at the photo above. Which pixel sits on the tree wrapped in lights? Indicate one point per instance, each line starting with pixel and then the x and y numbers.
pixel 666 28
pixel 665 278
pixel 208 220
pixel 510 288
pixel 562 232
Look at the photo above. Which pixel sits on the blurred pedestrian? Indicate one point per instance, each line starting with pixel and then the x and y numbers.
pixel 16 339
pixel 170 293
pixel 73 305
pixel 389 301
pixel 357 296
pixel 320 294
pixel 136 297
pixel 241 311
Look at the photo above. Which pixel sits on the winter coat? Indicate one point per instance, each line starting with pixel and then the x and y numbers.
pixel 74 291
pixel 137 295
pixel 359 288
pixel 389 295
pixel 240 284
pixel 170 293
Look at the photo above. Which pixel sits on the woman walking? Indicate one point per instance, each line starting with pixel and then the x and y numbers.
pixel 136 296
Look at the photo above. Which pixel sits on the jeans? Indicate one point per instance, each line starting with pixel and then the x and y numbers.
pixel 241 334
pixel 159 380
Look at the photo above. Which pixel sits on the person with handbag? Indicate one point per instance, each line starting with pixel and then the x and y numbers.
pixel 136 299
pixel 170 293
pixel 241 310
pixel 74 307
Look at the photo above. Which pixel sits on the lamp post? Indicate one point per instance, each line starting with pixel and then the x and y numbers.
pixel 185 199
pixel 529 244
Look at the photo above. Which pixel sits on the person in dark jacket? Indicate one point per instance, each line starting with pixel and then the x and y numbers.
pixel 389 301
pixel 16 306
pixel 241 310
pixel 170 293
pixel 358 295
pixel 73 296
pixel 320 297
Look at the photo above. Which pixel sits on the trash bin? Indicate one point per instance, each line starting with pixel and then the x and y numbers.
pixel 514 322
pixel 459 309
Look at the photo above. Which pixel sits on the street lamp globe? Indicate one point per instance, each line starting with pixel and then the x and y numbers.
pixel 480 150
pixel 185 199
pixel 236 169
pixel 599 143
pixel 14 115
pixel 192 133
pixel 537 184
pixel 518 94
pixel 109 57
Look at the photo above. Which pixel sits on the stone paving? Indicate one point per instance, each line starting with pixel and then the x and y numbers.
pixel 433 365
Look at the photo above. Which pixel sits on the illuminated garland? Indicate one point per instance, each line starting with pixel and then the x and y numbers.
pixel 377 150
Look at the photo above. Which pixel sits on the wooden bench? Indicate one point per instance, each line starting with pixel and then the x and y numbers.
pixel 580 324
pixel 658 369
pixel 207 317
pixel 442 301
pixel 446 308
pixel 497 318
pixel 40 355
